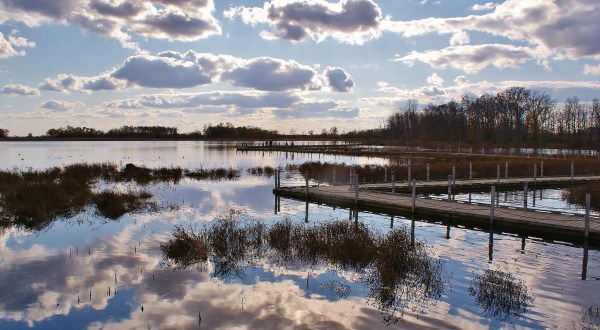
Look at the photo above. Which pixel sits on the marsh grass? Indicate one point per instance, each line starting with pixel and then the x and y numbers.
pixel 32 199
pixel 267 171
pixel 397 272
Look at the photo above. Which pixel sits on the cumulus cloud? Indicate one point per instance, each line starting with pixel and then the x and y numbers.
pixel 338 80
pixel 171 69
pixel 460 38
pixel 158 71
pixel 64 83
pixel 10 46
pixel 167 19
pixel 435 80
pixel 348 21
pixel 472 58
pixel 61 105
pixel 16 89
pixel 269 74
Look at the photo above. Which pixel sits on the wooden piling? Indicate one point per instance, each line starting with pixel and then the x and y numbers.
pixel 506 170
pixel 428 169
pixel 414 194
pixel 470 170
pixel 449 186
pixel 572 170
pixel 393 183
pixel 587 217
pixel 306 178
pixel 492 206
pixel 525 188
pixel 541 169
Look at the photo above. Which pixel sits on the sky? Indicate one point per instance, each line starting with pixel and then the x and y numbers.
pixel 291 65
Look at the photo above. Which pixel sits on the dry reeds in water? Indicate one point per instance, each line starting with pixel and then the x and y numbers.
pixel 397 273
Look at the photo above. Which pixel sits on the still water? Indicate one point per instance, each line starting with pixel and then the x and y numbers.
pixel 87 271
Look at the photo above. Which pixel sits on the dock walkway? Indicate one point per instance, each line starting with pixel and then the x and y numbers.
pixel 560 226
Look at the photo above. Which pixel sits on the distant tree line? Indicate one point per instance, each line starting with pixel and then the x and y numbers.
pixel 3 133
pixel 515 116
pixel 227 130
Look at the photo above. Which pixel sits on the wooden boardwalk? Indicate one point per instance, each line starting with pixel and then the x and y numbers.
pixel 485 184
pixel 552 225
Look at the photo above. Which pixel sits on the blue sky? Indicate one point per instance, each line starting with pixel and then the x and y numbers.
pixel 296 65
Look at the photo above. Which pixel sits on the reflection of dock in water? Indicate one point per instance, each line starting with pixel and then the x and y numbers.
pixel 520 220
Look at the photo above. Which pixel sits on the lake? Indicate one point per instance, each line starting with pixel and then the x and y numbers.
pixel 274 266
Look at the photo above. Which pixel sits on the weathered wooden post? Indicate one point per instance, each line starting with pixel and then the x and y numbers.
pixel 492 206
pixel 449 186
pixel 525 188
pixel 572 170
pixel 334 176
pixel 505 170
pixel 587 217
pixel 351 178
pixel 409 173
pixel 470 170
pixel 534 176
pixel 453 177
pixel 356 185
pixel 541 169
pixel 306 177
pixel 428 169
pixel 498 175
pixel 385 169
pixel 414 194
pixel 393 183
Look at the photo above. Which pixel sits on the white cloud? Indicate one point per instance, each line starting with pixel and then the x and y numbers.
pixel 485 6
pixel 16 89
pixel 61 105
pixel 348 21
pixel 460 38
pixel 209 100
pixel 338 80
pixel 435 80
pixel 472 58
pixel 9 47
pixel 461 80
pixel 591 69
pixel 318 109
pixel 65 83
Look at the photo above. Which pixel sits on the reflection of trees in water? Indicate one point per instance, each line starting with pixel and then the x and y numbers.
pixel 501 295
pixel 396 273
pixel 590 318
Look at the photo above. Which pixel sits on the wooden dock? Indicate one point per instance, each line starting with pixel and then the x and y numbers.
pixel 466 185
pixel 544 224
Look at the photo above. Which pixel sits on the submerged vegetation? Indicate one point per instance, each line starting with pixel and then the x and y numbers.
pixel 398 273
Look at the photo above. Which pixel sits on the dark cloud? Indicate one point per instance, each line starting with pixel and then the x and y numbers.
pixel 178 25
pixel 161 72
pixel 50 8
pixel 339 80
pixel 295 19
pixel 350 21
pixel 122 10
pixel 268 74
